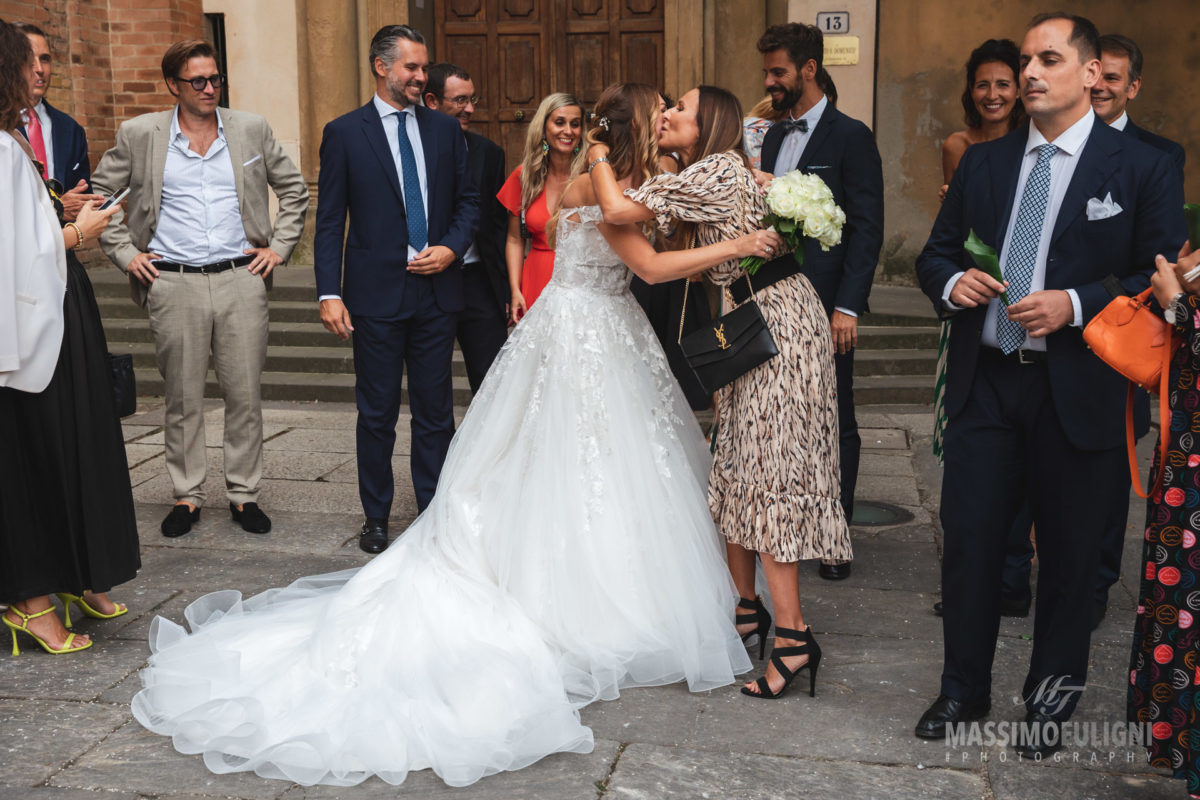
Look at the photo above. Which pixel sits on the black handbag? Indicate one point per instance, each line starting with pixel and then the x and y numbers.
pixel 727 347
pixel 124 388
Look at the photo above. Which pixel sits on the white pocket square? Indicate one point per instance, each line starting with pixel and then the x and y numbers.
pixel 1097 209
pixel 257 157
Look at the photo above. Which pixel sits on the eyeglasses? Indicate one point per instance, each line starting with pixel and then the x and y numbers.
pixel 462 100
pixel 217 81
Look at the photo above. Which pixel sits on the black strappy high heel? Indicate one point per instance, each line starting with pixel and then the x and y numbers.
pixel 810 647
pixel 761 616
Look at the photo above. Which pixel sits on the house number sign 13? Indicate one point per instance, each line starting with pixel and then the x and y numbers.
pixel 834 22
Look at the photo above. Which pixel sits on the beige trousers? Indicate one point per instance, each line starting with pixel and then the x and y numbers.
pixel 224 314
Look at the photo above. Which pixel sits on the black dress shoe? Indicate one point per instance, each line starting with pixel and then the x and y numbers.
pixel 945 710
pixel 937 608
pixel 1099 611
pixel 179 521
pixel 251 517
pixel 373 538
pixel 834 572
pixel 1040 736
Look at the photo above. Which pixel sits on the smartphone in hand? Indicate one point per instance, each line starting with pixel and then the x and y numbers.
pixel 109 202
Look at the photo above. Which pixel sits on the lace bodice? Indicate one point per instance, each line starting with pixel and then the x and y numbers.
pixel 582 257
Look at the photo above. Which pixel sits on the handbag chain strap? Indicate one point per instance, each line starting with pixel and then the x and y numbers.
pixel 688 281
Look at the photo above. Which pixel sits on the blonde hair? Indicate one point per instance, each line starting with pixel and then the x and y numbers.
pixel 764 110
pixel 536 164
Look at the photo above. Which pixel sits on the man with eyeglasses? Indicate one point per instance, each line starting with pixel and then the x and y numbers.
pixel 198 244
pixel 483 323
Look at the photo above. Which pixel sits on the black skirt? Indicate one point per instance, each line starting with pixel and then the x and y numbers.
pixel 67 521
pixel 663 303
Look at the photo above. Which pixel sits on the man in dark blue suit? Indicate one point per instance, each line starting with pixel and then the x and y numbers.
pixel 62 138
pixel 399 171
pixel 816 138
pixel 1066 202
pixel 483 322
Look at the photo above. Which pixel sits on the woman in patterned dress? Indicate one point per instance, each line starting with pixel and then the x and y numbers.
pixel 1164 669
pixel 774 487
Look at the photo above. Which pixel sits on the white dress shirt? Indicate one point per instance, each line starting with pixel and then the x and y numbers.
pixel 199 217
pixel 391 127
pixel 1070 144
pixel 1120 122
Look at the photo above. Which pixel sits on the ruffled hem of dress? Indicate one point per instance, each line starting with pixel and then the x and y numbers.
pixel 790 527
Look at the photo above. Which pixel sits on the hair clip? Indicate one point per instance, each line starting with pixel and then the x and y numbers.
pixel 603 122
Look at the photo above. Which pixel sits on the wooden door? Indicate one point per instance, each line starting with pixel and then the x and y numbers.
pixel 518 51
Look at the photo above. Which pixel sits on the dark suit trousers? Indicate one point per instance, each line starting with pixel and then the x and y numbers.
pixel 1004 446
pixel 422 339
pixel 849 442
pixel 482 328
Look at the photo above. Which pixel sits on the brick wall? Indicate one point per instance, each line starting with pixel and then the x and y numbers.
pixel 106 56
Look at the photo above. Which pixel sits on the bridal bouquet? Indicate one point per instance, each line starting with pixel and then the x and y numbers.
pixel 800 206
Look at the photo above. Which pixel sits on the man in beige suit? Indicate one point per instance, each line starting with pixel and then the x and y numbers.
pixel 197 243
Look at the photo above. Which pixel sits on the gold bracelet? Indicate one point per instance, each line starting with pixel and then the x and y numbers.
pixel 78 235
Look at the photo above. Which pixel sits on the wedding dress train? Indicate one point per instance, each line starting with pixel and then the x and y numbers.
pixel 567 554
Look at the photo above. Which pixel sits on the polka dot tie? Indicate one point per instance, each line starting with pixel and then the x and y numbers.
pixel 1022 251
pixel 414 205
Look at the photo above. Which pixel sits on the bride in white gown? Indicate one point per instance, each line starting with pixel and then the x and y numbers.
pixel 568 554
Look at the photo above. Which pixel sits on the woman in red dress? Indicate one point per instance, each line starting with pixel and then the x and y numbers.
pixel 532 193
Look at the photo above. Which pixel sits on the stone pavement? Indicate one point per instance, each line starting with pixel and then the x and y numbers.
pixel 68 733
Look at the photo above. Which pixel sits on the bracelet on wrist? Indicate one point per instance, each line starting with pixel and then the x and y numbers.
pixel 600 160
pixel 78 235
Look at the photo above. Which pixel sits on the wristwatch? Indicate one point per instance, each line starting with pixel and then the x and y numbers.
pixel 1175 310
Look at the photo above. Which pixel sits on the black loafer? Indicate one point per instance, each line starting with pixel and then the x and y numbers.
pixel 373 538
pixel 1032 741
pixel 937 608
pixel 179 521
pixel 946 710
pixel 251 517
pixel 834 572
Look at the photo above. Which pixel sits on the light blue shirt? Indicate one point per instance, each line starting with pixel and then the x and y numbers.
pixel 1070 144
pixel 391 118
pixel 199 218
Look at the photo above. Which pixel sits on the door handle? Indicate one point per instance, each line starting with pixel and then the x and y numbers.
pixel 518 115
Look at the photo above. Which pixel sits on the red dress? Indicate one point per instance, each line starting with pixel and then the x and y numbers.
pixel 539 263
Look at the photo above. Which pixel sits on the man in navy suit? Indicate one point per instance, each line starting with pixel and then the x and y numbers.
pixel 483 322
pixel 62 139
pixel 399 171
pixel 1066 201
pixel 818 139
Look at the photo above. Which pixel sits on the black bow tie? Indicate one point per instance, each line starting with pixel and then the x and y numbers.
pixel 795 125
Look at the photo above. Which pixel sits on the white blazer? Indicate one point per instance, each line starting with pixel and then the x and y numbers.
pixel 33 273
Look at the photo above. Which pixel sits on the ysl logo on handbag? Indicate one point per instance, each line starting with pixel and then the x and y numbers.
pixel 719 332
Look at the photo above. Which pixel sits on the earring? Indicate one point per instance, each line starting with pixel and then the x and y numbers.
pixel 545 147
pixel 575 151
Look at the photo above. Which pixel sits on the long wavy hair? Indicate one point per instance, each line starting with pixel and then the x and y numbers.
pixel 16 54
pixel 536 164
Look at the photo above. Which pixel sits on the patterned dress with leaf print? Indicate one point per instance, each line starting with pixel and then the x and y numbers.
pixel 775 485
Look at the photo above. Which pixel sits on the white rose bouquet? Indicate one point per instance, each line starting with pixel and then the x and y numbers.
pixel 800 206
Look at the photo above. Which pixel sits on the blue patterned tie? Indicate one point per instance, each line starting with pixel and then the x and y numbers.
pixel 1022 253
pixel 414 206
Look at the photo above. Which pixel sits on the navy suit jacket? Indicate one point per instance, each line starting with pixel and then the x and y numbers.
pixel 842 152
pixel 1159 143
pixel 485 168
pixel 70 149
pixel 366 263
pixel 1089 397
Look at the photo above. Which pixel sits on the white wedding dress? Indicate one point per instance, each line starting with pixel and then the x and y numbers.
pixel 568 553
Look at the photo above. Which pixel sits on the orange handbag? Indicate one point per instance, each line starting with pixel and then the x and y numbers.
pixel 1138 343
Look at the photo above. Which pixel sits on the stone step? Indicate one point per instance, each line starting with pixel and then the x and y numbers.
pixel 893 390
pixel 312 333
pixel 293 386
pixel 894 362
pixel 312 361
